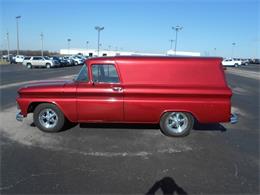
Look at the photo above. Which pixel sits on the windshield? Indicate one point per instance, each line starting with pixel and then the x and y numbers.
pixel 46 58
pixel 83 74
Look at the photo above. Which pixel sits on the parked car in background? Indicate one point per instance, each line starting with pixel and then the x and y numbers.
pixel 77 60
pixel 63 62
pixel 19 58
pixel 26 59
pixel 9 58
pixel 133 90
pixel 256 61
pixel 69 60
pixel 244 62
pixel 60 60
pixel 39 61
pixel 231 62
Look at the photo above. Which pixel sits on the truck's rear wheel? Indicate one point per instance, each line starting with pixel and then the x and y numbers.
pixel 48 117
pixel 176 124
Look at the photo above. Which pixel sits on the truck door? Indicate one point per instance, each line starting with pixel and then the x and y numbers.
pixel 101 99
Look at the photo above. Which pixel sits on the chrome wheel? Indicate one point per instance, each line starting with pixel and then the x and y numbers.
pixel 48 118
pixel 176 122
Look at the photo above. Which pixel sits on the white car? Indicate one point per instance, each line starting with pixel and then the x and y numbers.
pixel 40 62
pixel 19 58
pixel 231 62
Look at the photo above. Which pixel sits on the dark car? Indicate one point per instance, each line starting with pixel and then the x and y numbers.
pixel 60 60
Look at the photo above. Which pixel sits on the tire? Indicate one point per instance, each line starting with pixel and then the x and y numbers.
pixel 176 124
pixel 75 63
pixel 236 65
pixel 48 117
pixel 48 65
pixel 29 66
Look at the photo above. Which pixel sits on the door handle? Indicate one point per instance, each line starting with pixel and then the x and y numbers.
pixel 117 88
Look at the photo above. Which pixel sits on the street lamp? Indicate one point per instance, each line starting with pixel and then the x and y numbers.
pixel 177 29
pixel 69 40
pixel 98 28
pixel 233 49
pixel 17 30
pixel 87 42
pixel 171 43
pixel 41 35
pixel 8 46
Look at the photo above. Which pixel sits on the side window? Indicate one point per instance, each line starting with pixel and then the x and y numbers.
pixel 104 73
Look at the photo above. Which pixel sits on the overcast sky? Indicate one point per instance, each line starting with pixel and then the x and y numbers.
pixel 143 26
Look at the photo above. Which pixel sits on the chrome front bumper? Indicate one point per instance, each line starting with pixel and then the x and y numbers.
pixel 233 118
pixel 19 117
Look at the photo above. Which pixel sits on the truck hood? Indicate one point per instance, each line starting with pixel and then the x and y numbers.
pixel 49 86
pixel 46 83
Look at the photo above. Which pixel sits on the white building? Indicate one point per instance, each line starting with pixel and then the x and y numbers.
pixel 93 52
pixel 182 53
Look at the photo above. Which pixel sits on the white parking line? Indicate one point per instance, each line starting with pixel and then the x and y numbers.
pixel 33 81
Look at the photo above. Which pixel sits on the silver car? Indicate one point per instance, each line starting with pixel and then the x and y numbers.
pixel 39 61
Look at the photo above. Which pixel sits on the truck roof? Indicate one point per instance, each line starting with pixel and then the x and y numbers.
pixel 115 58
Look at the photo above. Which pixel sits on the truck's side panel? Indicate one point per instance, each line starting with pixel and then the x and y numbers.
pixel 194 85
pixel 147 104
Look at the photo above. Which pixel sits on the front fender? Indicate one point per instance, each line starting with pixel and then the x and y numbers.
pixel 67 107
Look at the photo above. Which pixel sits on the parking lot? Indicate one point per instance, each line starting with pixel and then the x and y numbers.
pixel 129 159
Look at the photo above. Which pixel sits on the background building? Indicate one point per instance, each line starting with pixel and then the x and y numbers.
pixel 93 52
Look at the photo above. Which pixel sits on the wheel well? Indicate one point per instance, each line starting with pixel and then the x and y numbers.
pixel 193 115
pixel 33 105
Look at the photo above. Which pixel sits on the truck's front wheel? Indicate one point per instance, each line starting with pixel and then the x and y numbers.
pixel 176 124
pixel 48 117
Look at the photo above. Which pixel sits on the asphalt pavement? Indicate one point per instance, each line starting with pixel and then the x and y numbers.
pixel 129 159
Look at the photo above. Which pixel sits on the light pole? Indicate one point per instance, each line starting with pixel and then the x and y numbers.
pixel 87 42
pixel 215 51
pixel 233 49
pixel 109 47
pixel 17 30
pixel 98 28
pixel 8 46
pixel 171 43
pixel 41 35
pixel 177 29
pixel 69 40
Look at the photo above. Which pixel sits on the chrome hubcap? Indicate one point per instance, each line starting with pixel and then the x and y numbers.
pixel 48 118
pixel 177 122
